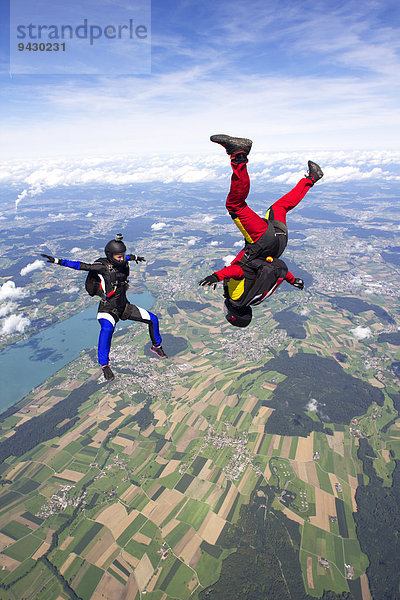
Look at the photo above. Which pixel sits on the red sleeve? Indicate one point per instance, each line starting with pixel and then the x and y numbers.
pixel 290 278
pixel 233 270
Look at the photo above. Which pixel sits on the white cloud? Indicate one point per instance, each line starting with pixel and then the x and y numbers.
pixel 312 405
pixel 228 259
pixel 14 324
pixel 214 243
pixel 35 266
pixel 356 280
pixel 191 242
pixel 7 308
pixel 57 217
pixel 72 290
pixel 208 219
pixel 9 291
pixel 239 244
pixel 361 333
pixel 304 312
pixel 76 249
pixel 342 174
pixel 191 174
pixel 89 214
pixel 158 226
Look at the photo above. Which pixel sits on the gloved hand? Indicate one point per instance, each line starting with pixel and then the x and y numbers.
pixel 50 259
pixel 299 283
pixel 210 280
pixel 137 259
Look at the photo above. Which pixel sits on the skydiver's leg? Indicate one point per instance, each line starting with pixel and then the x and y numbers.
pixel 282 206
pixel 141 315
pixel 107 324
pixel 249 223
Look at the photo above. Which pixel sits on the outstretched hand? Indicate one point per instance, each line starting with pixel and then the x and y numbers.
pixel 50 259
pixel 139 259
pixel 210 280
pixel 299 283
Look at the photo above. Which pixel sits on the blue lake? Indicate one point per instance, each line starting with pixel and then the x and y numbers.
pixel 30 362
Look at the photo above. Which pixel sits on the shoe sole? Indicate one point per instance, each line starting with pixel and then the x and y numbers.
pixel 156 353
pixel 315 169
pixel 109 378
pixel 223 140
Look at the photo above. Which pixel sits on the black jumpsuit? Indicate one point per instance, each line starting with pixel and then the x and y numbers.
pixel 114 304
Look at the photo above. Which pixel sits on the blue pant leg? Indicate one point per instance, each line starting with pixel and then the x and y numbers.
pixel 105 337
pixel 156 329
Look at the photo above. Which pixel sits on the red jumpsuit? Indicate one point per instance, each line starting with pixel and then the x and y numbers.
pixel 249 223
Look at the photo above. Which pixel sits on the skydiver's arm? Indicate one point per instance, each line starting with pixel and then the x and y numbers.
pixel 290 278
pixel 296 281
pixel 137 259
pixel 77 264
pixel 234 271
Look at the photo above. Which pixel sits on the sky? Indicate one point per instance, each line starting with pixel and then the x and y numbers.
pixel 291 75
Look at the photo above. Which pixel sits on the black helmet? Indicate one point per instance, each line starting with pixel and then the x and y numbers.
pixel 239 317
pixel 115 246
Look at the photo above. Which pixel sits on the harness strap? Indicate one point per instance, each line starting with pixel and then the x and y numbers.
pixel 273 241
pixel 112 278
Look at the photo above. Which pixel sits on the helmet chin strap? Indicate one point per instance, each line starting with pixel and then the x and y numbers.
pixel 117 263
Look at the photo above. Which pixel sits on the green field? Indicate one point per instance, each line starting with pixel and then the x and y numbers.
pixel 176 580
pixel 89 582
pixel 193 513
pixel 209 379
pixel 130 531
pixel 24 548
pixel 323 479
pixel 16 530
pixel 177 534
pixel 318 543
pixel 87 538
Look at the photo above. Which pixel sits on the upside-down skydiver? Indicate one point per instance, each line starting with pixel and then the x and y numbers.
pixel 108 279
pixel 257 270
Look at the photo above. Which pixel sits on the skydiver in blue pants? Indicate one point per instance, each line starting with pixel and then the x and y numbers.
pixel 108 278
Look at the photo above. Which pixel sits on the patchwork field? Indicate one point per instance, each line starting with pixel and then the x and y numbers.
pixel 139 492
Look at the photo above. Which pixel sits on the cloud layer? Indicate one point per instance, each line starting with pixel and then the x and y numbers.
pixel 280 167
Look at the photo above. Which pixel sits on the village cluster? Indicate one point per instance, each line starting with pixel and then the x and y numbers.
pixel 61 500
pixel 241 456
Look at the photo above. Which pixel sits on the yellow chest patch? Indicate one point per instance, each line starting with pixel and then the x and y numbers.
pixel 235 288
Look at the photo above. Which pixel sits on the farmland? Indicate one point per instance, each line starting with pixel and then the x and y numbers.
pixel 144 488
